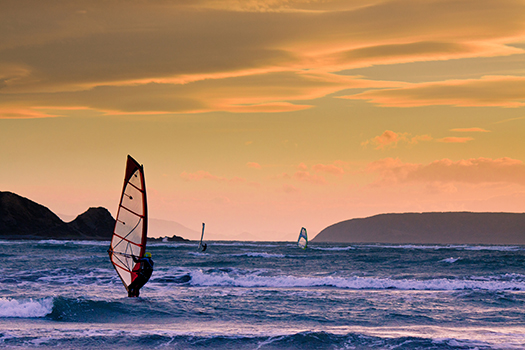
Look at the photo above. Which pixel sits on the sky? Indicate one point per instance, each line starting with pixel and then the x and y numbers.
pixel 261 117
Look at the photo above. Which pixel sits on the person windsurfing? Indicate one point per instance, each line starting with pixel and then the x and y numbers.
pixel 143 274
pixel 202 246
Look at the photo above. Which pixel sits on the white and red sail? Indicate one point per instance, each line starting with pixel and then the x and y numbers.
pixel 131 226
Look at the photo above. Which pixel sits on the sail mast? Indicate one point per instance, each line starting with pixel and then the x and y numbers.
pixel 202 236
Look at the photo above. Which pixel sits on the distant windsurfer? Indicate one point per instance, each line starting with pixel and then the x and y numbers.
pixel 202 246
pixel 143 274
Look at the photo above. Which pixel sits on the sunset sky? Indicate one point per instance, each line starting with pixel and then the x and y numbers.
pixel 260 117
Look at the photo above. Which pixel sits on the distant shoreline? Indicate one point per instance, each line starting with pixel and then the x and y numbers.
pixel 23 219
pixel 429 228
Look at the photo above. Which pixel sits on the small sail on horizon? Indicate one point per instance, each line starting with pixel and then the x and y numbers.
pixel 131 224
pixel 202 246
pixel 302 242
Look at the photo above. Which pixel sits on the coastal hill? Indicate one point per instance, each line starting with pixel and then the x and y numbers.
pixel 424 228
pixel 21 218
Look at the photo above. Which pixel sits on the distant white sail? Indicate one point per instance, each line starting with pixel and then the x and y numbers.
pixel 131 226
pixel 302 242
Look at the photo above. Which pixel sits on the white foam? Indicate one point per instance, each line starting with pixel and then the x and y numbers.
pixel 27 308
pixel 449 246
pixel 405 246
pixel 513 276
pixel 450 260
pixel 373 283
pixel 332 248
pixel 2 242
pixel 62 242
pixel 245 244
pixel 495 248
pixel 260 255
pixel 198 253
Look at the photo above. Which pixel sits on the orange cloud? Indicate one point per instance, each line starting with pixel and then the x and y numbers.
pixel 416 51
pixel 455 139
pixel 490 91
pixel 329 168
pixel 390 139
pixel 23 113
pixel 253 165
pixel 113 58
pixel 469 130
pixel 268 92
pixel 472 171
pixel 302 167
pixel 283 6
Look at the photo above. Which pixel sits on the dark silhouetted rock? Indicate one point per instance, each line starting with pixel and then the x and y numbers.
pixel 440 228
pixel 174 238
pixel 95 223
pixel 21 218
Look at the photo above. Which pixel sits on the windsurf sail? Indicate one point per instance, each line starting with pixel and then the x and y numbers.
pixel 201 247
pixel 302 242
pixel 131 226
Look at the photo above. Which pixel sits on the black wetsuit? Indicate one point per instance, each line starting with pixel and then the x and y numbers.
pixel 204 246
pixel 145 271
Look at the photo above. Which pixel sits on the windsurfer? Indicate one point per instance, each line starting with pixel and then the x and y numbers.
pixel 204 246
pixel 144 273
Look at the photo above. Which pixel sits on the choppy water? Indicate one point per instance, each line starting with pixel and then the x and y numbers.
pixel 241 295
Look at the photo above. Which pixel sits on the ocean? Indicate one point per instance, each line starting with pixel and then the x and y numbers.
pixel 265 295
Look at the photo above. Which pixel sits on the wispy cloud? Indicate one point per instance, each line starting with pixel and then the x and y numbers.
pixel 266 93
pixel 469 130
pixel 455 139
pixel 391 139
pixel 302 167
pixel 120 58
pixel 253 165
pixel 490 91
pixel 335 169
pixel 23 113
pixel 472 171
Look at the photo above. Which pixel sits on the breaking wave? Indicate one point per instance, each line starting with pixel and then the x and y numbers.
pixel 199 278
pixel 502 248
pixel 25 308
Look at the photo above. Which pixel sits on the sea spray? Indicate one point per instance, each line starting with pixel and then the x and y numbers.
pixel 26 308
